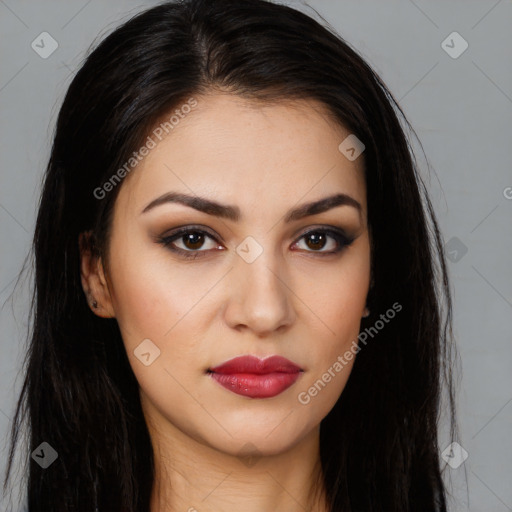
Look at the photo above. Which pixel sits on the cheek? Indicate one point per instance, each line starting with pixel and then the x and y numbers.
pixel 332 355
pixel 144 306
pixel 150 293
pixel 339 300
pixel 339 296
pixel 155 299
pixel 151 304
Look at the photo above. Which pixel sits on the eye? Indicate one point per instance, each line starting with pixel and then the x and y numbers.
pixel 324 241
pixel 189 242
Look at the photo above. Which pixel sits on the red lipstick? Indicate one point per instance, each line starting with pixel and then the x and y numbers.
pixel 256 378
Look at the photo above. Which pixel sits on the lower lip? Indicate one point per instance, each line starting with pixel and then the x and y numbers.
pixel 256 386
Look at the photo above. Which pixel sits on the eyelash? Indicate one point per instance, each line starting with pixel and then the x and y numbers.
pixel 342 240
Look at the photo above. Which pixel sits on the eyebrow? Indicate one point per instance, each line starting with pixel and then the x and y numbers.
pixel 233 212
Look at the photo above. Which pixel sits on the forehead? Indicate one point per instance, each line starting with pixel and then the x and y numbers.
pixel 250 153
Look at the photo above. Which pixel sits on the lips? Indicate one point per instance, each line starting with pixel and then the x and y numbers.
pixel 256 378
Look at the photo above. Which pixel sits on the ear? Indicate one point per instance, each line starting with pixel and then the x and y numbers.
pixel 94 282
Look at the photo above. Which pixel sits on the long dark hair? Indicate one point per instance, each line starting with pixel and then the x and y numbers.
pixel 379 444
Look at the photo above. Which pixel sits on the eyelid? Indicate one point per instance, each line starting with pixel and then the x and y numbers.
pixel 323 227
pixel 190 227
pixel 199 227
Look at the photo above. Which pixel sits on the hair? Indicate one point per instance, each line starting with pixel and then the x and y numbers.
pixel 379 444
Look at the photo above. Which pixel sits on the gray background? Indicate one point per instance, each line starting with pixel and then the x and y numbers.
pixel 461 109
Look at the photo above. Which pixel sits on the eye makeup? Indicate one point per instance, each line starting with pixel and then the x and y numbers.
pixel 194 237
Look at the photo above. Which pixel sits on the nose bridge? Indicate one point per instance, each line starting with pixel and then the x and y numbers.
pixel 264 276
pixel 261 298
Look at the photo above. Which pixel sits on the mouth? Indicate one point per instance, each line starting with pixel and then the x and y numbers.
pixel 256 378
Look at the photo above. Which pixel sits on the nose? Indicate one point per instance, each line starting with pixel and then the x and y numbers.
pixel 259 298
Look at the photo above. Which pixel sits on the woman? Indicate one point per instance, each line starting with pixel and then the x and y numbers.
pixel 240 280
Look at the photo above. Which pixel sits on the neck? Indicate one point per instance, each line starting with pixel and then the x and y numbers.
pixel 191 476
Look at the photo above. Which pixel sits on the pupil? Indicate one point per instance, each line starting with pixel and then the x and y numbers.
pixel 193 240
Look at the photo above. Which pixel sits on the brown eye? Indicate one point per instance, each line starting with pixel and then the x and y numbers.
pixel 323 241
pixel 316 240
pixel 193 240
pixel 189 242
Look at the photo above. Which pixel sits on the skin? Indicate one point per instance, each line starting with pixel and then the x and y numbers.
pixel 291 300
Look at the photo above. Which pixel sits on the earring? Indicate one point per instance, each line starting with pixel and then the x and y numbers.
pixel 366 313
pixel 93 302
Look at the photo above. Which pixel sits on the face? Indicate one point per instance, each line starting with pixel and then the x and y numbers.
pixel 194 284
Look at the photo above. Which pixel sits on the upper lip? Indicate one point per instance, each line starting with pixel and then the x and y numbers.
pixel 252 364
